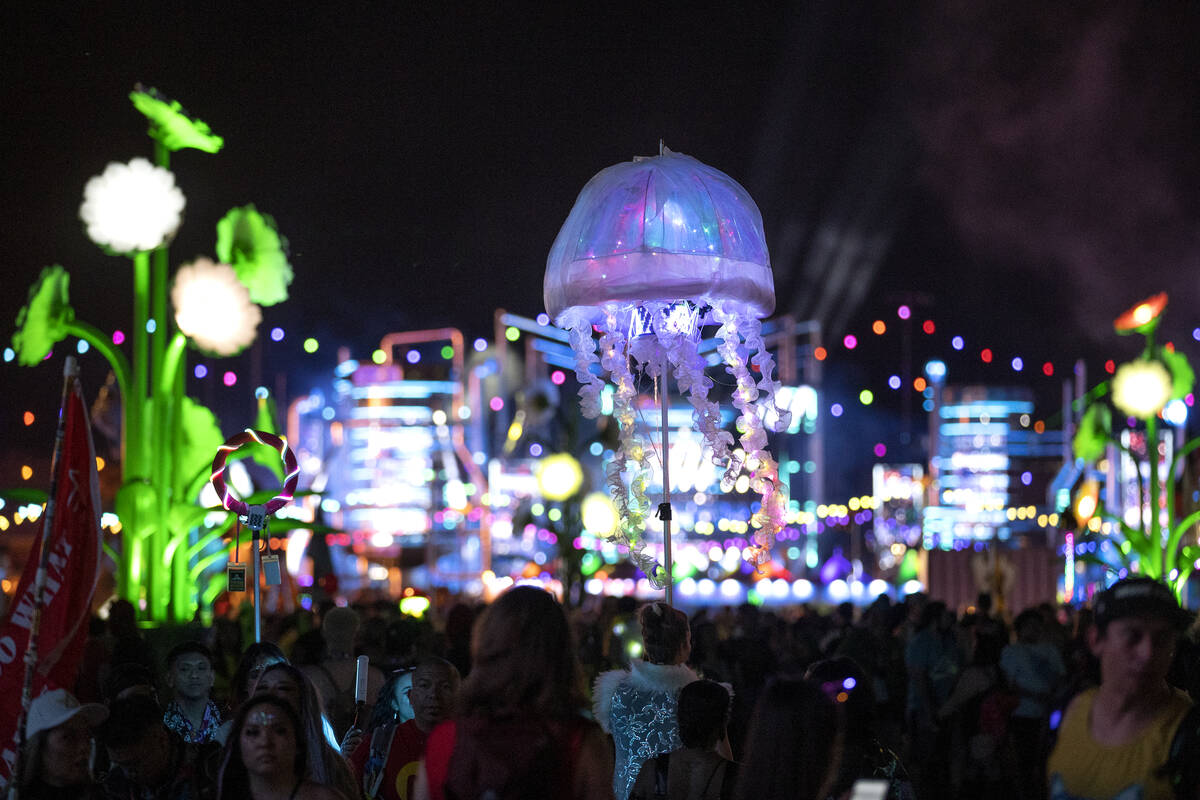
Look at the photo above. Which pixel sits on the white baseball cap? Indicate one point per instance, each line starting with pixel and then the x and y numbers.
pixel 51 709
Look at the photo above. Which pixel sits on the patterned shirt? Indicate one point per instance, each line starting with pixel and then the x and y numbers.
pixel 177 721
pixel 639 709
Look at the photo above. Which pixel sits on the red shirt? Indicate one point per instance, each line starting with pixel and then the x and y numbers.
pixel 402 759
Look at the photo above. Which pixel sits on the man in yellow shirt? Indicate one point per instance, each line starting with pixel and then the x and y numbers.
pixel 1115 740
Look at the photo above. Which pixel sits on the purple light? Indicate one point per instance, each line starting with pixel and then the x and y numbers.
pixel 276 334
pixel 880 450
pixel 903 312
pixel 200 371
pixel 118 337
pixel 836 409
pixel 849 684
pixel 412 356
pixel 957 343
pixel 1027 477
pixel 558 377
pixel 480 345
pixel 495 404
pixel 1018 364
pixel 535 449
pixel 229 379
pixel 894 381
pixel 850 341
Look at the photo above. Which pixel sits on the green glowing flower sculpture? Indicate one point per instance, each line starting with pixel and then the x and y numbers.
pixel 1092 436
pixel 249 241
pixel 171 125
pixel 43 321
pixel 1141 388
pixel 213 308
pixel 132 207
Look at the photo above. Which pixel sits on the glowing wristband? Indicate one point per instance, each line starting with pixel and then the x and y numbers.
pixel 271 440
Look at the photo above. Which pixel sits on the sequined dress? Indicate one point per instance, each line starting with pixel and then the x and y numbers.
pixel 638 708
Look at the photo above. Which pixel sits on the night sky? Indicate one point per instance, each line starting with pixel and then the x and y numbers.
pixel 1019 173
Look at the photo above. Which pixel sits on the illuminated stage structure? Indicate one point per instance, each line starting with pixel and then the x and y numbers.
pixel 987 467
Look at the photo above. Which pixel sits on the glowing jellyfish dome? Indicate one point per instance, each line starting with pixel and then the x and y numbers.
pixel 653 250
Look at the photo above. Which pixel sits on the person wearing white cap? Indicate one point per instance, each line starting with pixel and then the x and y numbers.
pixel 56 761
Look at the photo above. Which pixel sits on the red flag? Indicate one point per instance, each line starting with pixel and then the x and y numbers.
pixel 71 571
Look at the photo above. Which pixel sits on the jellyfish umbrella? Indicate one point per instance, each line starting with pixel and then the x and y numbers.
pixel 653 250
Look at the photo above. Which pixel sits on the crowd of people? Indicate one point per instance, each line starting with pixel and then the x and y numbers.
pixel 521 699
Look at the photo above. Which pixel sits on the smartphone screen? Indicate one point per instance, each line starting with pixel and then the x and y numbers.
pixel 869 789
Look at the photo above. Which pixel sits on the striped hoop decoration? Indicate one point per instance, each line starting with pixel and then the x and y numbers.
pixel 235 442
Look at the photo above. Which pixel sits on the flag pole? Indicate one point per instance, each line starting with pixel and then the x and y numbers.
pixel 70 375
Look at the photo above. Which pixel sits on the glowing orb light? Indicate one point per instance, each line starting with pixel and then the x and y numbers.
pixel 599 515
pixel 131 207
pixel 1141 388
pixel 558 476
pixel 653 250
pixel 213 308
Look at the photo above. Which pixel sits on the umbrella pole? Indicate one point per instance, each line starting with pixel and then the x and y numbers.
pixel 664 508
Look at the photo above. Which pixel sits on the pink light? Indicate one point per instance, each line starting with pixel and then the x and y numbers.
pixel 495 404
pixel 229 378
pixel 850 341
pixel 558 377
pixel 880 450
pixel 118 337
pixel 903 312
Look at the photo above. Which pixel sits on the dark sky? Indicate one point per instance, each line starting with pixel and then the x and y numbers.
pixel 1021 173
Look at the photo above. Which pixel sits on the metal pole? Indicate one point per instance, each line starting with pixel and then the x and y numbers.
pixel 664 508
pixel 70 372
pixel 257 589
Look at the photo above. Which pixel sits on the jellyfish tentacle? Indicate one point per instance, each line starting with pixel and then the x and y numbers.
pixel 770 517
pixel 684 353
pixel 632 504
pixel 579 333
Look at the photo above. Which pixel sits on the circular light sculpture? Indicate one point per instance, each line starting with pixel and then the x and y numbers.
pixel 291 470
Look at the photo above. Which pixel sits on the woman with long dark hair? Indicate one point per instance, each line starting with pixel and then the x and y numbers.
pixel 325 763
pixel 520 729
pixel 265 757
pixel 793 748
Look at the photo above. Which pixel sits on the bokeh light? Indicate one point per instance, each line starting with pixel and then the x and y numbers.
pixel 1047 369
pixel 985 355
pixel 480 345
pixel 1018 364
pixel 851 341
pixel 229 378
pixel 866 397
pixel 28 418
pixel 820 353
pixel 379 356
pixel 894 382
pixel 878 328
pixel 496 403
pixel 118 337
pixel 836 409
pixel 412 356
pixel 957 343
pixel 558 377
pixel 512 334
pixel 311 345
pixel 277 334
pixel 200 371
pixel 928 326
pixel 903 312
pixel 880 450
